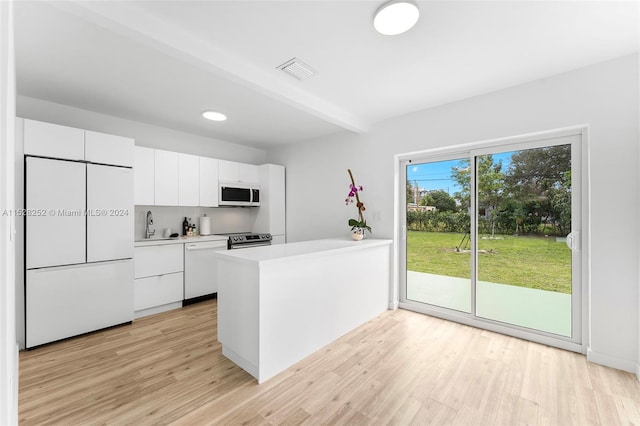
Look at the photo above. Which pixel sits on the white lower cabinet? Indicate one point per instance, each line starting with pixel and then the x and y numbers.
pixel 158 290
pixel 67 301
pixel 159 283
pixel 158 260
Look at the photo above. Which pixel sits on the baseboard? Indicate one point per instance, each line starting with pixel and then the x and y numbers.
pixel 157 309
pixel 199 299
pixel 613 362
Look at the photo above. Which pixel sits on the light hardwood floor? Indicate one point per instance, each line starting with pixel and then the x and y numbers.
pixel 401 368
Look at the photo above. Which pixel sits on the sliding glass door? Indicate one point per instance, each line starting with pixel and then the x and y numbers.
pixel 491 236
pixel 438 238
pixel 523 218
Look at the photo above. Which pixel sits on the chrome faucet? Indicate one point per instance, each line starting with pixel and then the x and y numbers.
pixel 150 230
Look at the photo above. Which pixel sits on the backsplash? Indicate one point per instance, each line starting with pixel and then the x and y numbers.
pixel 223 219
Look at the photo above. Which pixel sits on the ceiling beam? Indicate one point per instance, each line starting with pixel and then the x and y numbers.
pixel 128 20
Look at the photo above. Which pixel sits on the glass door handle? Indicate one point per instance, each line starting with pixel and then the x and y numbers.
pixel 573 241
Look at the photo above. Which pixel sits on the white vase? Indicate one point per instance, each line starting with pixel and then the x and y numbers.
pixel 358 234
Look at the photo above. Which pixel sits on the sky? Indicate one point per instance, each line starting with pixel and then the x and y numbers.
pixel 437 175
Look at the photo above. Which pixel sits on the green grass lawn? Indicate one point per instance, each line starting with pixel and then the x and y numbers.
pixel 534 262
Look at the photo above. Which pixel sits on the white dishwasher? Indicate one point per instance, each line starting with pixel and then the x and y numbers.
pixel 201 268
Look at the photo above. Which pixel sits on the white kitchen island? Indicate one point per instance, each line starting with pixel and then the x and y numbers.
pixel 278 304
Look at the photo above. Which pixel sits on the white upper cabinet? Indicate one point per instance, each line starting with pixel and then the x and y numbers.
pixel 56 141
pixel 208 182
pixel 249 173
pixel 166 178
pixel 53 140
pixel 108 149
pixel 228 171
pixel 144 176
pixel 231 171
pixel 188 180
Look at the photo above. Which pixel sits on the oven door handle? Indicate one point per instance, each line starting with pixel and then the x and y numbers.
pixel 247 245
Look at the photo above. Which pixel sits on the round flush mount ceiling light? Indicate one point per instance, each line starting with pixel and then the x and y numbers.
pixel 396 17
pixel 214 116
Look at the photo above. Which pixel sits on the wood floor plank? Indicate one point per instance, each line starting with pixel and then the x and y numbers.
pixel 401 368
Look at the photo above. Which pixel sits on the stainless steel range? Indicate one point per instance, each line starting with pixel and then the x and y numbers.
pixel 247 239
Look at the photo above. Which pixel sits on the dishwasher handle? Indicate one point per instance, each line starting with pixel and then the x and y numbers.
pixel 196 247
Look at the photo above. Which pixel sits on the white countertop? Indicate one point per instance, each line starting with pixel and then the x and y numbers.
pixel 179 240
pixel 280 252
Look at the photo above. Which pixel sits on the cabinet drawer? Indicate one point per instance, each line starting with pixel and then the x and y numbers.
pixel 71 300
pixel 158 260
pixel 158 290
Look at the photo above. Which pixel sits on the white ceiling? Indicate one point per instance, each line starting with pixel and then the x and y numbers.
pixel 164 62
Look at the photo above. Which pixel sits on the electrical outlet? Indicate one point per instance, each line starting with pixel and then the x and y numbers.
pixel 377 216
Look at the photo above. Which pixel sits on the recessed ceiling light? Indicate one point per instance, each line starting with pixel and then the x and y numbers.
pixel 396 17
pixel 214 116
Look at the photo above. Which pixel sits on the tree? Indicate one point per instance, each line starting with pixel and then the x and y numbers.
pixel 541 178
pixel 441 200
pixel 461 174
pixel 538 170
pixel 561 204
pixel 490 183
pixel 409 192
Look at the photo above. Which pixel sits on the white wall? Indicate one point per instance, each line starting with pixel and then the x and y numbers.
pixel 8 348
pixel 144 134
pixel 605 96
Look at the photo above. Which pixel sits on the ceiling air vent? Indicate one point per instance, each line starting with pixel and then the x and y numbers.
pixel 298 69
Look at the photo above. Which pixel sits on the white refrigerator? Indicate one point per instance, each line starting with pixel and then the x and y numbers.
pixel 79 248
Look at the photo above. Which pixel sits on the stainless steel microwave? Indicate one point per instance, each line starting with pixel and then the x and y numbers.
pixel 236 194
